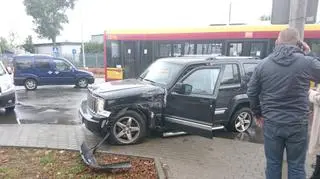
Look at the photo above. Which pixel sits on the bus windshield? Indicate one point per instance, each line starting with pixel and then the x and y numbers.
pixel 161 72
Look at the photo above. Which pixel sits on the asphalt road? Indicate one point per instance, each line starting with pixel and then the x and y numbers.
pixel 60 104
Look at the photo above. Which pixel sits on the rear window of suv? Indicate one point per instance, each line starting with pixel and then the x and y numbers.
pixel 249 68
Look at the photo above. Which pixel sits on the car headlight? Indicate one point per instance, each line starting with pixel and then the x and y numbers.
pixel 100 108
pixel 100 105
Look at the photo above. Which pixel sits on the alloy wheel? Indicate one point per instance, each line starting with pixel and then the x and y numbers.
pixel 82 83
pixel 243 121
pixel 126 130
pixel 31 84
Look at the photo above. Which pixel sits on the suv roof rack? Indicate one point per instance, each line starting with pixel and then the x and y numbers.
pixel 219 56
pixel 236 57
pixel 206 55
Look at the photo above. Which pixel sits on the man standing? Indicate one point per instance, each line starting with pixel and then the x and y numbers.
pixel 278 94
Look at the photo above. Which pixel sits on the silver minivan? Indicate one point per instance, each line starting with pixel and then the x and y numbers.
pixel 7 89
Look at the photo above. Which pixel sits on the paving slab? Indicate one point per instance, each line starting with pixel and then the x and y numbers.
pixel 186 157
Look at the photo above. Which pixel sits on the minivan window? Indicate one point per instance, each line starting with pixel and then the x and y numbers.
pixel 42 63
pixel 23 64
pixel 62 65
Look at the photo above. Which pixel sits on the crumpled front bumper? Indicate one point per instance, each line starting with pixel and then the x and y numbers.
pixel 93 123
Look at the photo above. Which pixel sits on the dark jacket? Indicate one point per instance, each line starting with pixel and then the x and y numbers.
pixel 278 88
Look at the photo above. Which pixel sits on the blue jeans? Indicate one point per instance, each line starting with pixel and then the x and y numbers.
pixel 293 138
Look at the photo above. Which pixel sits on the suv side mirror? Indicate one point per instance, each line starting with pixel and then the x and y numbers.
pixel 183 88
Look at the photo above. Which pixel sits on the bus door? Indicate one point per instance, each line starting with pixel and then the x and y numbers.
pixel 145 55
pixel 130 61
pixel 247 48
pixel 235 48
pixel 258 49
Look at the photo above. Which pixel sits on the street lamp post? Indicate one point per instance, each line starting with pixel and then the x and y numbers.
pixel 82 42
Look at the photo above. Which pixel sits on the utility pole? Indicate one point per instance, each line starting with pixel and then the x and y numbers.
pixel 297 16
pixel 82 42
pixel 230 9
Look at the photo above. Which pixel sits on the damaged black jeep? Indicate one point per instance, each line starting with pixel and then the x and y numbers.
pixel 195 94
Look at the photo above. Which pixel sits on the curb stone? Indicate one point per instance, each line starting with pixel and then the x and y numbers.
pixel 160 170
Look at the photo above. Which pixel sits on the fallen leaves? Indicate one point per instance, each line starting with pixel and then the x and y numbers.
pixel 4 158
pixel 44 163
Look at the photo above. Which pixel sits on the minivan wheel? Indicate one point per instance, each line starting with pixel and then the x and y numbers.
pixel 241 120
pixel 82 83
pixel 30 84
pixel 128 129
pixel 10 109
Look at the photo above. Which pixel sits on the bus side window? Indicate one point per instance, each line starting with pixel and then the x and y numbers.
pixel 315 47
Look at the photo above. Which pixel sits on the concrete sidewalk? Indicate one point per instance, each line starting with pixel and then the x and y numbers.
pixel 181 157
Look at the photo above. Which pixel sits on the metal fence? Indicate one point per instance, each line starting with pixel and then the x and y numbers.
pixel 91 60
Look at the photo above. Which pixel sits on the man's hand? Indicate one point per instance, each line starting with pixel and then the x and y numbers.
pixel 259 121
pixel 306 47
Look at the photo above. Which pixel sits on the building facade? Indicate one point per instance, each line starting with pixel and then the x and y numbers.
pixel 69 50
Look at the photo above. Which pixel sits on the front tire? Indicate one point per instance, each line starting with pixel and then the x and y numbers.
pixel 82 83
pixel 241 120
pixel 10 109
pixel 128 129
pixel 30 84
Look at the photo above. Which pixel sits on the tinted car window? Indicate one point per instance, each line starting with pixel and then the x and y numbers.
pixel 161 72
pixel 203 81
pixel 61 65
pixel 23 64
pixel 249 68
pixel 42 63
pixel 231 75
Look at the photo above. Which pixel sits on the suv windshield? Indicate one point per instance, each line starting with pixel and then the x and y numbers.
pixel 2 70
pixel 161 72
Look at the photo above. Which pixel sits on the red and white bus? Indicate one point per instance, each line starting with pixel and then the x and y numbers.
pixel 133 50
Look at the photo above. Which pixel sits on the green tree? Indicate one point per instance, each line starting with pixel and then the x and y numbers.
pixel 48 16
pixel 92 47
pixel 265 18
pixel 3 44
pixel 12 40
pixel 28 45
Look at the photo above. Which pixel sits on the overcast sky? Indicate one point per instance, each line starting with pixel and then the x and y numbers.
pixel 97 15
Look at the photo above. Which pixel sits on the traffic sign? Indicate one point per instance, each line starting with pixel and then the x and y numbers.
pixel 281 11
pixel 55 49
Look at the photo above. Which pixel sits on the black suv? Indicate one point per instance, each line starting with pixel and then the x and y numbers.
pixel 195 94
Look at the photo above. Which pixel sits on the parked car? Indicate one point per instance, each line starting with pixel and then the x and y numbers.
pixel 32 71
pixel 197 95
pixel 7 89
